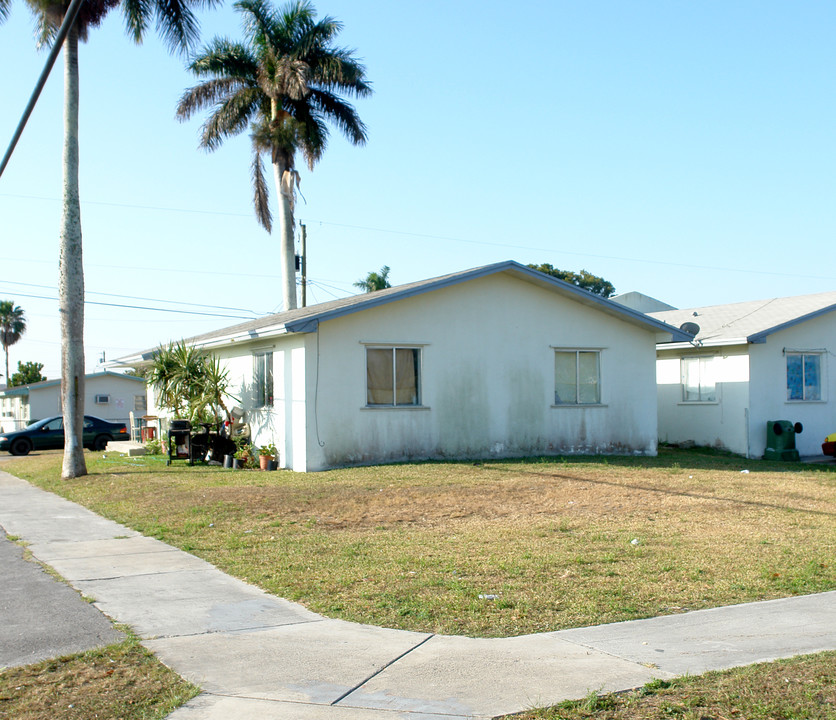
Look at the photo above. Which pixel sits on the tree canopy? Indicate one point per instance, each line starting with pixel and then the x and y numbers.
pixel 583 279
pixel 27 373
pixel 375 281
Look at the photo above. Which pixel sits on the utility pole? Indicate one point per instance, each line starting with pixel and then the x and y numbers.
pixel 304 263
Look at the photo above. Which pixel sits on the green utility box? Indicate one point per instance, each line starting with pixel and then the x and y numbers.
pixel 780 440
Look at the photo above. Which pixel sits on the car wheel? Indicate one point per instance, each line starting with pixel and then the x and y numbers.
pixel 21 446
pixel 101 441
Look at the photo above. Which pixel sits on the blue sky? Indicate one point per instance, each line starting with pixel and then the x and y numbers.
pixel 682 149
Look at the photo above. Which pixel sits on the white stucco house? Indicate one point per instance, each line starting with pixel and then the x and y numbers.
pixel 750 363
pixel 108 395
pixel 496 361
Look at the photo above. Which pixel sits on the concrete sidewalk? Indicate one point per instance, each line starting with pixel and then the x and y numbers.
pixel 256 655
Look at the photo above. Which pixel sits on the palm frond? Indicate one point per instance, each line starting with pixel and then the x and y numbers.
pixel 176 24
pixel 261 196
pixel 206 95
pixel 231 117
pixel 137 14
pixel 341 113
pixel 223 57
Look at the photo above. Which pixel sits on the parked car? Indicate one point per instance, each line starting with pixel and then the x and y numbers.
pixel 49 434
pixel 828 447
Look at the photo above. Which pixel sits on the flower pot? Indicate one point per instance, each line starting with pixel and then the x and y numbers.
pixel 263 461
pixel 273 465
pixel 237 464
pixel 228 461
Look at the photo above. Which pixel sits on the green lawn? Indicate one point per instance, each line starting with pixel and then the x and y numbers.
pixel 558 543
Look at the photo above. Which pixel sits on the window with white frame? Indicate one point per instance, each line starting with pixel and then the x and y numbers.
pixel 263 379
pixel 393 376
pixel 140 403
pixel 577 377
pixel 698 384
pixel 804 376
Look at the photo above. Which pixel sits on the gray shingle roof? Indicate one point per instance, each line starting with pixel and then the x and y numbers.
pixel 307 319
pixel 750 321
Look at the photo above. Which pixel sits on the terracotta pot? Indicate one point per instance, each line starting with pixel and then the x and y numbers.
pixel 263 460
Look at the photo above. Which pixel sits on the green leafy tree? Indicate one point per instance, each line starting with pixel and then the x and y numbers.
pixel 189 383
pixel 286 83
pixel 583 279
pixel 177 25
pixel 27 373
pixel 12 327
pixel 375 281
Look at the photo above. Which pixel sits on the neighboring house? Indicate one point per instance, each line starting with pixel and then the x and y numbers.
pixel 492 362
pixel 750 363
pixel 108 395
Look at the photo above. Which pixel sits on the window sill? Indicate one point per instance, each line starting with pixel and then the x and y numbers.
pixel 686 403
pixel 580 405
pixel 396 407
pixel 805 402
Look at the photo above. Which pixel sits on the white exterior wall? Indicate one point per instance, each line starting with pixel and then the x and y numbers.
pixel 769 385
pixel 284 424
pixel 720 424
pixel 487 379
pixel 45 401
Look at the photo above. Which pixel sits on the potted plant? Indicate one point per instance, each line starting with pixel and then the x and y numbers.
pixel 267 454
pixel 243 456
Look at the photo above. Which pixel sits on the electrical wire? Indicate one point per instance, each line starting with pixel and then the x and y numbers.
pixel 134 297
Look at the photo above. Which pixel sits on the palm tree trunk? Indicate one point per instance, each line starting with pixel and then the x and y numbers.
pixel 71 276
pixel 287 250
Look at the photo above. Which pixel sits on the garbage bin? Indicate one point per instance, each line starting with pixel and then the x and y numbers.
pixel 780 440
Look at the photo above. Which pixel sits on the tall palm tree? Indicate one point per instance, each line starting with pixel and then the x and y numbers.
pixel 177 24
pixel 12 326
pixel 284 84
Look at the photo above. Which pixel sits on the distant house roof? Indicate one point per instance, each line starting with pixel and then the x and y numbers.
pixel 642 303
pixel 750 322
pixel 304 320
pixel 24 389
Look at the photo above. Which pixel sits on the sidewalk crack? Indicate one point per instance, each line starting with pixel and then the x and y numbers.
pixel 380 670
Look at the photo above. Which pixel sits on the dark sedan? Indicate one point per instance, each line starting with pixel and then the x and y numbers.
pixel 49 434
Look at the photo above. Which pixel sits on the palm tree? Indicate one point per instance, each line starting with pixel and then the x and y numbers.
pixel 284 84
pixel 176 23
pixel 375 281
pixel 12 326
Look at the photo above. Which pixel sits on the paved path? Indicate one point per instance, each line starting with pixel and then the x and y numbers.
pixel 256 655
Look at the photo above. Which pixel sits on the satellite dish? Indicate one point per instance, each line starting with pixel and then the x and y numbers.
pixel 690 327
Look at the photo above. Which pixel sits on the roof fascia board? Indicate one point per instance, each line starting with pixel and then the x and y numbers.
pixel 310 324
pixel 760 337
pixel 702 344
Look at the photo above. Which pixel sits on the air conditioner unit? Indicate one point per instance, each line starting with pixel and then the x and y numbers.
pixel 102 399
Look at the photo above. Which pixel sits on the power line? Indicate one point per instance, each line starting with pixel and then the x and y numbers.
pixel 134 297
pixel 140 307
pixel 444 238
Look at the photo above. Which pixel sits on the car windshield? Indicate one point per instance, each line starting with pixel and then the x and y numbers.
pixel 38 424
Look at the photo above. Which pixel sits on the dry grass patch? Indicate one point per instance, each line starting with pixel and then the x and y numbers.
pixel 557 543
pixel 122 681
pixel 803 688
